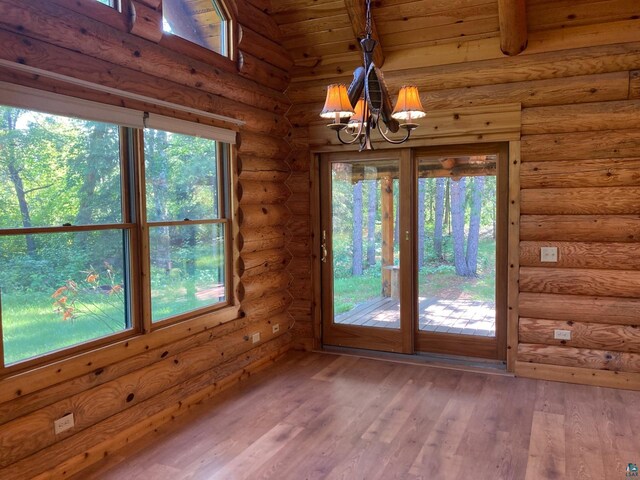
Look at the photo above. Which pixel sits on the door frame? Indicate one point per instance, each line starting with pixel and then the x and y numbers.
pixel 512 141
pixel 357 336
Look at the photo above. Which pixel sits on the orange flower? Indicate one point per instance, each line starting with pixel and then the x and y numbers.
pixel 61 301
pixel 68 313
pixel 115 289
pixel 58 292
pixel 92 277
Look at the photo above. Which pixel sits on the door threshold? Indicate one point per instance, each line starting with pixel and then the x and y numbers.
pixel 448 362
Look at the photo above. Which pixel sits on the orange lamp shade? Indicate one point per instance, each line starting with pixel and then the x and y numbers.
pixel 408 105
pixel 337 103
pixel 358 117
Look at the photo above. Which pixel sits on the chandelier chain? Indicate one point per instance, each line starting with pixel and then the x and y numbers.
pixel 368 24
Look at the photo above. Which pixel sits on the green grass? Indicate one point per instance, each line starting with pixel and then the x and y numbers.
pixel 350 291
pixel 31 327
pixel 437 279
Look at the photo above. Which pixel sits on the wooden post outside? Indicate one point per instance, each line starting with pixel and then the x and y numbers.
pixel 386 198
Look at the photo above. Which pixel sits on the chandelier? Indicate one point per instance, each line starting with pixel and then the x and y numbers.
pixel 366 102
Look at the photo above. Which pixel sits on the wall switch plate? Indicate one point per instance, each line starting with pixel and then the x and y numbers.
pixel 63 423
pixel 562 334
pixel 255 338
pixel 548 254
pixel 275 328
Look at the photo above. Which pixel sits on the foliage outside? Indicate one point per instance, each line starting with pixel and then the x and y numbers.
pixel 65 288
pixel 437 276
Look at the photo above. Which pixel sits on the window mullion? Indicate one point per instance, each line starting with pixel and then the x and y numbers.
pixel 144 263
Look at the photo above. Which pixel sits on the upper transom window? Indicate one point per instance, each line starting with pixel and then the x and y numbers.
pixel 111 3
pixel 203 22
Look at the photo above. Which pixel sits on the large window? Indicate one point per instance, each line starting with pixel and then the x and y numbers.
pixel 203 22
pixel 79 246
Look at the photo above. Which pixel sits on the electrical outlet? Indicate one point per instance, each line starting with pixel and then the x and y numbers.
pixel 275 328
pixel 63 423
pixel 255 338
pixel 548 254
pixel 562 334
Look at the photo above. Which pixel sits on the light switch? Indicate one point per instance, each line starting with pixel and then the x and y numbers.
pixel 548 254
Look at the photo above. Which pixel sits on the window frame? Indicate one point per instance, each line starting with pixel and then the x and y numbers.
pixel 141 333
pixel 199 52
pixel 224 217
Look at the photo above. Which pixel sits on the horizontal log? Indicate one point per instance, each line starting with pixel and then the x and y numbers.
pixel 610 172
pixel 33 432
pixel 264 49
pixel 555 91
pixel 579 357
pixel 262 72
pixel 446 123
pixel 618 338
pixel 615 311
pixel 251 17
pixel 583 376
pixel 29 403
pixel 479 49
pixel 580 201
pixel 262 169
pixel 581 145
pixel 144 21
pixel 63 87
pixel 101 433
pixel 50 23
pixel 300 244
pixel 60 61
pixel 261 193
pixel 268 305
pixel 580 228
pixel 254 144
pixel 258 286
pixel 245 366
pixel 256 263
pixel 549 15
pixel 299 203
pixel 586 117
pixel 261 238
pixel 299 182
pixel 255 216
pixel 559 39
pixel 577 281
pixel 567 63
pixel 299 159
pixel 614 256
pixel 634 84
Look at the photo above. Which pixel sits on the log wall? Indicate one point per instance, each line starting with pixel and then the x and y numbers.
pixel 121 394
pixel 579 178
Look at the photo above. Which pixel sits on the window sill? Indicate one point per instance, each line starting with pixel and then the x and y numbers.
pixel 16 385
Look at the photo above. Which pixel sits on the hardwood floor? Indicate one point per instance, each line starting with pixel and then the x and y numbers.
pixel 317 416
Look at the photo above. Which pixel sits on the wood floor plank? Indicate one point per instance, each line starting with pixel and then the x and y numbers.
pixel 321 416
pixel 547 449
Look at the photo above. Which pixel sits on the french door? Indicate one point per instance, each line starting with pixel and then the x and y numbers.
pixel 413 247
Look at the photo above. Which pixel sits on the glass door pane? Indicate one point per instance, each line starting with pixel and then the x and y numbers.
pixel 456 235
pixel 364 243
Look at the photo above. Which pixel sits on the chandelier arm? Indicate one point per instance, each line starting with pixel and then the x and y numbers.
pixel 355 138
pixel 390 140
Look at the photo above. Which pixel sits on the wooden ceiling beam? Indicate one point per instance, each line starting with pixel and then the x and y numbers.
pixel 512 16
pixel 358 15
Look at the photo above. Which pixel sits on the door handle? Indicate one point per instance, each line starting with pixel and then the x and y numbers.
pixel 323 247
